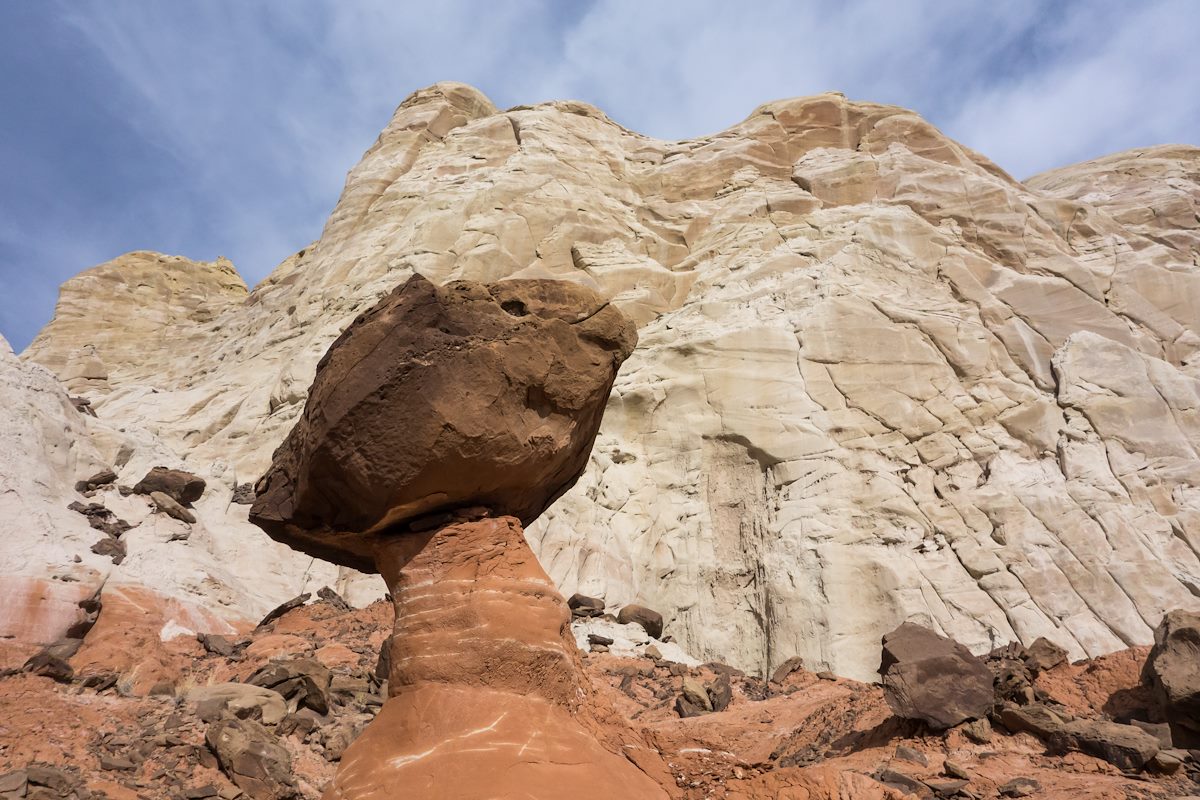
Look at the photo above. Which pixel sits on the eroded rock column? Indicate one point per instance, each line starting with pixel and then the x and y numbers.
pixel 486 695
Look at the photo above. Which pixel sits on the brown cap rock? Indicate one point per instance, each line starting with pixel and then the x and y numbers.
pixel 467 394
pixel 932 678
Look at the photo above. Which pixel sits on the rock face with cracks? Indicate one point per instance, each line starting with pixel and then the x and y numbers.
pixel 877 380
pixel 443 397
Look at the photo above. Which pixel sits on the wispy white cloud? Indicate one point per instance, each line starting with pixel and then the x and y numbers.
pixel 1107 77
pixel 227 126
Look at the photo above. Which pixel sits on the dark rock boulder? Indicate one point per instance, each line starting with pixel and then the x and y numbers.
pixel 1125 746
pixel 931 678
pixel 100 518
pixel 650 620
pixel 303 680
pixel 439 398
pixel 720 692
pixel 49 665
pixel 334 600
pixel 686 708
pixel 216 644
pixel 283 608
pixel 1038 719
pixel 101 478
pixel 168 505
pixel 113 548
pixel 252 758
pixel 182 487
pixel 1020 787
pixel 786 669
pixel 1044 654
pixel 583 606
pixel 1172 671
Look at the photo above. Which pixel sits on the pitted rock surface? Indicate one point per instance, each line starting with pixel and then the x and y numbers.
pixel 466 394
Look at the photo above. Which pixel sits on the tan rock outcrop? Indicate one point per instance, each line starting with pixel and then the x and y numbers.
pixel 877 379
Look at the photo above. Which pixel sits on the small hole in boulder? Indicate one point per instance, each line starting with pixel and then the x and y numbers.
pixel 514 307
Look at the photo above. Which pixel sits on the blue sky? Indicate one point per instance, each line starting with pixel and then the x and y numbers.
pixel 226 127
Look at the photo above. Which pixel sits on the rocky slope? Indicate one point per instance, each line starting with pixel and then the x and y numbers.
pixel 804 736
pixel 878 379
pixel 110 564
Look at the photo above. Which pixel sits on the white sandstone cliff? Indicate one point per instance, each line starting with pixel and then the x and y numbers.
pixel 878 378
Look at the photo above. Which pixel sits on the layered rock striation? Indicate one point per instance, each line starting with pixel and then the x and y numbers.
pixel 878 379
pixel 488 697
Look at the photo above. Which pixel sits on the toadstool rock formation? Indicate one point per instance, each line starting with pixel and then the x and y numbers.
pixel 436 409
pixel 878 379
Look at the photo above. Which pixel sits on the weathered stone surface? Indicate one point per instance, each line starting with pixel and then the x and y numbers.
pixel 874 371
pixel 1173 672
pixel 252 758
pixel 239 696
pixel 1044 654
pixel 440 398
pixel 181 486
pixel 487 697
pixel 584 606
pixel 167 504
pixel 648 618
pixel 932 678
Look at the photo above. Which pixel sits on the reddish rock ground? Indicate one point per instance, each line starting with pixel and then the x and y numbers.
pixel 805 739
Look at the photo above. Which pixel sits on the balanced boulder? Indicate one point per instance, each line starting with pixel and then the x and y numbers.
pixel 932 678
pixel 1172 671
pixel 650 620
pixel 437 424
pixel 442 397
pixel 583 606
pixel 181 486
